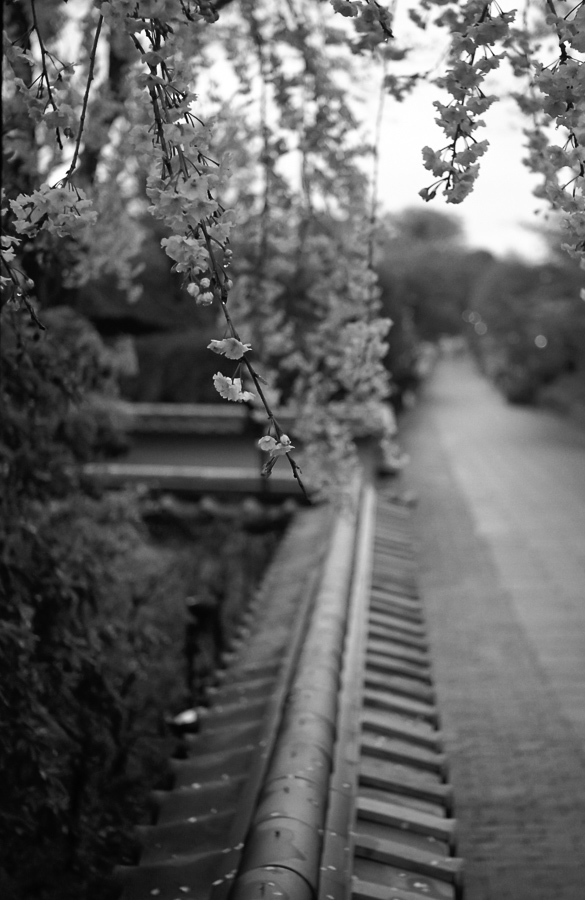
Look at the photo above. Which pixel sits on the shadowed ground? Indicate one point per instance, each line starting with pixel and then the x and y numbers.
pixel 501 521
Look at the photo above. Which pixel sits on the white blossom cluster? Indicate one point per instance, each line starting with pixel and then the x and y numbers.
pixel 482 36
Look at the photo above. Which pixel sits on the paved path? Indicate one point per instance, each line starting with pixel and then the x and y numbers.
pixel 501 520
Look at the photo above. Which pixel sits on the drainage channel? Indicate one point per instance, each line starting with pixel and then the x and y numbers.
pixel 319 771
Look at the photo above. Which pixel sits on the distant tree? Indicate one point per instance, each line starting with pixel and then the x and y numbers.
pixel 426 275
pixel 526 324
pixel 425 226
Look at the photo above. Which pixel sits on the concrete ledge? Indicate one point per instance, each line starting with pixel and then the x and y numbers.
pixel 198 418
pixel 193 479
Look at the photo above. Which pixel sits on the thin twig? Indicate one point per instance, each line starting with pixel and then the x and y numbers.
pixel 45 73
pixel 376 166
pixel 90 75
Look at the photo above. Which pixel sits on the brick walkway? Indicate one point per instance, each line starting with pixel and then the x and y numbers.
pixel 501 521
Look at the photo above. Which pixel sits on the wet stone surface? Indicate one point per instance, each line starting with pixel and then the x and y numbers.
pixel 501 519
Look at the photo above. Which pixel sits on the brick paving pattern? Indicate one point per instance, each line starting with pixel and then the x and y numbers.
pixel 501 523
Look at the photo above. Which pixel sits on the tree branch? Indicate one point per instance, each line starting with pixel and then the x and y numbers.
pixel 90 75
pixel 45 74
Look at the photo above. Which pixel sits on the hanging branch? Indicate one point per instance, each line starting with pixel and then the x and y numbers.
pixel 223 299
pixel 376 170
pixel 257 278
pixel 90 75
pixel 44 70
pixel 258 41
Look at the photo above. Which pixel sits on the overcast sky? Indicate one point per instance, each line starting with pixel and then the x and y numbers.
pixel 498 213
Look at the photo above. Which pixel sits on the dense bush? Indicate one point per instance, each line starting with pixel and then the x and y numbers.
pixel 92 620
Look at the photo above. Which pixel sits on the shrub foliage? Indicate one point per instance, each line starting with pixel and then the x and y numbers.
pixel 92 620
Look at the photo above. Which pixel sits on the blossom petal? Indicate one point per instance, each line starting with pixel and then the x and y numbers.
pixel 235 389
pixel 222 384
pixel 231 389
pixel 281 449
pixel 230 347
pixel 267 443
pixel 235 349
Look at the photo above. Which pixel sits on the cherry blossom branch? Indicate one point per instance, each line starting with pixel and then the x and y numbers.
pixel 460 117
pixel 223 299
pixel 160 100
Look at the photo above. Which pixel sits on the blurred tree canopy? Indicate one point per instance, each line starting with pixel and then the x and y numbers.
pixel 526 324
pixel 426 275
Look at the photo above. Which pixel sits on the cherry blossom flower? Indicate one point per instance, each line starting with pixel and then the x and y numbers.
pixel 274 447
pixel 230 347
pixel 60 211
pixel 231 388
